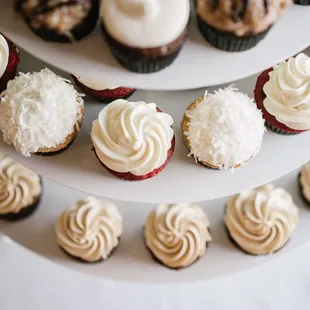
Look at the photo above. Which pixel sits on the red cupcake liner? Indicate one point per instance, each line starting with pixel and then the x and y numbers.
pixel 131 177
pixel 107 95
pixel 11 68
pixel 270 120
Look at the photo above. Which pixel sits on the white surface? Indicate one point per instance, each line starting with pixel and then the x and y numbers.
pixel 198 65
pixel 29 282
pixel 131 261
pixel 182 180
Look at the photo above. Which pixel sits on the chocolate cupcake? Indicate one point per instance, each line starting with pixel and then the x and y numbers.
pixel 262 220
pixel 60 20
pixel 8 63
pixel 302 2
pixel 236 26
pixel 20 190
pixel 102 92
pixel 51 114
pixel 304 182
pixel 223 130
pixel 177 235
pixel 145 36
pixel 133 140
pixel 89 230
pixel 283 95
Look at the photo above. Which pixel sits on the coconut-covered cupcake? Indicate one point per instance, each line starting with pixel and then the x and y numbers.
pixel 223 130
pixel 283 95
pixel 9 60
pixel 60 20
pixel 40 112
pixel 20 190
pixel 177 235
pixel 262 220
pixel 133 140
pixel 238 25
pixel 304 182
pixel 102 92
pixel 90 229
pixel 147 35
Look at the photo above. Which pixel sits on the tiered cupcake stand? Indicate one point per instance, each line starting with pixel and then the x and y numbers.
pixel 182 181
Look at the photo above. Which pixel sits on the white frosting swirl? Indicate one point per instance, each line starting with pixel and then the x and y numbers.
pixel 225 129
pixel 39 110
pixel 95 85
pixel 89 229
pixel 19 187
pixel 132 136
pixel 261 220
pixel 4 55
pixel 177 234
pixel 305 180
pixel 288 92
pixel 145 23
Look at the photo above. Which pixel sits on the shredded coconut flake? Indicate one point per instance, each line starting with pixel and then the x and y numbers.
pixel 225 129
pixel 38 110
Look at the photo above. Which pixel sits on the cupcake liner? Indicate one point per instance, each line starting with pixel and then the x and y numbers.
pixel 79 32
pixel 280 131
pixel 135 61
pixel 24 212
pixel 302 2
pixel 47 154
pixel 226 41
pixel 305 200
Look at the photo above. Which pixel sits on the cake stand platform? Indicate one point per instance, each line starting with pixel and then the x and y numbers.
pixel 131 261
pixel 182 180
pixel 198 65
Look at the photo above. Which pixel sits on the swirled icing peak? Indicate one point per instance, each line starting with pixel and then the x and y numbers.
pixel 177 234
pixel 19 187
pixel 261 220
pixel 145 23
pixel 89 229
pixel 305 180
pixel 4 54
pixel 38 110
pixel 132 136
pixel 288 92
pixel 225 129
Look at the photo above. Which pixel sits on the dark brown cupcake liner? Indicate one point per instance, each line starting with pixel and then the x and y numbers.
pixel 79 32
pixel 136 61
pixel 305 200
pixel 227 41
pixel 24 212
pixel 47 154
pixel 280 131
pixel 302 2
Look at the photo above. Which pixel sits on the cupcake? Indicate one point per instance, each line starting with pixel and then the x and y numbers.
pixel 133 140
pixel 283 95
pixel 89 230
pixel 60 20
pixel 40 112
pixel 145 36
pixel 223 130
pixel 302 2
pixel 102 92
pixel 177 235
pixel 8 63
pixel 236 26
pixel 304 182
pixel 20 190
pixel 262 220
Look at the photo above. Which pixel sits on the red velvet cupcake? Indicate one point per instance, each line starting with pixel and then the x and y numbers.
pixel 133 140
pixel 102 92
pixel 283 95
pixel 9 61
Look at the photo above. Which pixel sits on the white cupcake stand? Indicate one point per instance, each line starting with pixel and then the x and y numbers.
pixel 79 171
